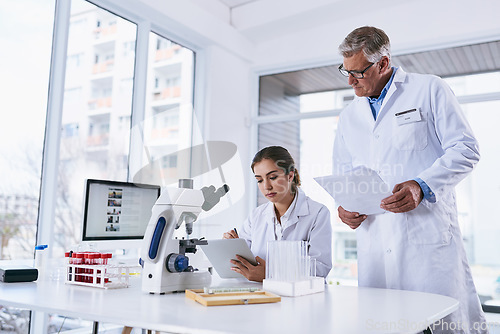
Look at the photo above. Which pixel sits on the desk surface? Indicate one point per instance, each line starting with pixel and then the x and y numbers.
pixel 338 310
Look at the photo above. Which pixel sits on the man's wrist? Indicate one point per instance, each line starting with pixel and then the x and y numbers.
pixel 427 192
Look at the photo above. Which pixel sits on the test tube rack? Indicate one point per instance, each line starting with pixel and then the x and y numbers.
pixel 290 271
pixel 294 289
pixel 98 276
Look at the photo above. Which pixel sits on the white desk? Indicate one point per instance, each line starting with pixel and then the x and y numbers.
pixel 338 310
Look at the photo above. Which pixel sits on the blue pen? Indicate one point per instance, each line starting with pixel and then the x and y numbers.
pixel 235 231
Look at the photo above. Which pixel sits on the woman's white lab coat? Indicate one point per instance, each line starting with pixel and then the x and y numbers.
pixel 308 221
pixel 420 250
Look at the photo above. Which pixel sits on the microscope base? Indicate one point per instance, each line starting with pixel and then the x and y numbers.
pixel 177 282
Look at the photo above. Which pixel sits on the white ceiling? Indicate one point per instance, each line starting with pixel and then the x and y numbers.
pixel 235 3
pixel 261 20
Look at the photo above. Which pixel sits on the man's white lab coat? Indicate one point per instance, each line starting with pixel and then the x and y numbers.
pixel 306 220
pixel 420 250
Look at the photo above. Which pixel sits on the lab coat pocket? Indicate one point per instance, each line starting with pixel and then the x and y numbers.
pixel 428 225
pixel 412 135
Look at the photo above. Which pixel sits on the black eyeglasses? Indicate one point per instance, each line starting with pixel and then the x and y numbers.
pixel 355 74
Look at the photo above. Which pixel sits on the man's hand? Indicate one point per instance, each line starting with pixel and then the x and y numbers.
pixel 407 196
pixel 351 219
pixel 252 273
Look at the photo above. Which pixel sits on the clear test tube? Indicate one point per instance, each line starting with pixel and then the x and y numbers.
pixel 305 265
pixel 269 263
pixel 106 258
pixel 271 258
pixel 312 272
pixel 299 261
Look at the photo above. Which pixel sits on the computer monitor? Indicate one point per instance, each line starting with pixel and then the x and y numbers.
pixel 116 214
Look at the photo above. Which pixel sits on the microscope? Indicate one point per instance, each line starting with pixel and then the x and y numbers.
pixel 165 264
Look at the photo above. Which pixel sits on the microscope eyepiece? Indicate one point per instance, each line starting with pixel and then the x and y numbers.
pixel 213 196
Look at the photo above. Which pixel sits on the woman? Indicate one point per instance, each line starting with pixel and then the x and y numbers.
pixel 289 215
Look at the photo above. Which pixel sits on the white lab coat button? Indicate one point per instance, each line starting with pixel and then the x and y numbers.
pixel 389 251
pixel 376 136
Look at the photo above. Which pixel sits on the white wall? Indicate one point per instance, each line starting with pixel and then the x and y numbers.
pixel 226 118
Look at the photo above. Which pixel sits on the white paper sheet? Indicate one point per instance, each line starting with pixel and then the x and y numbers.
pixel 360 190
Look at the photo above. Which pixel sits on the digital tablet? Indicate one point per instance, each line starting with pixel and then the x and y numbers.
pixel 221 251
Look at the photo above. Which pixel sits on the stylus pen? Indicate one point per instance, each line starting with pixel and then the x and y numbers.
pixel 235 231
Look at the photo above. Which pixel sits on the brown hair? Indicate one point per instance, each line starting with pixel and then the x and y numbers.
pixel 283 160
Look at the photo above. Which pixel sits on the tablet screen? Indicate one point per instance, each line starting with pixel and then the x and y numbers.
pixel 221 251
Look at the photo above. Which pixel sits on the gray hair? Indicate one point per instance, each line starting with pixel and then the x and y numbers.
pixel 372 41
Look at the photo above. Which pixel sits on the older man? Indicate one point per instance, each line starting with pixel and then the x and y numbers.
pixel 409 128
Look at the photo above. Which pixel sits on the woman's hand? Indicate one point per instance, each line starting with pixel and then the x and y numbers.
pixel 252 273
pixel 230 235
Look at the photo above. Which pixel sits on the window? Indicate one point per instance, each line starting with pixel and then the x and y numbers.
pixel 24 85
pixel 24 105
pixel 74 60
pixel 480 191
pixel 169 111
pixel 70 130
pixel 350 250
pixel 129 48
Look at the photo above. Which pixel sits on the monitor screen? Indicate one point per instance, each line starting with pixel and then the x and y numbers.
pixel 117 210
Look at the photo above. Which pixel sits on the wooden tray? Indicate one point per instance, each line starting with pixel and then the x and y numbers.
pixel 231 298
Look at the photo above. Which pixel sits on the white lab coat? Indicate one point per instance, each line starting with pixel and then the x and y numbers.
pixel 420 250
pixel 308 221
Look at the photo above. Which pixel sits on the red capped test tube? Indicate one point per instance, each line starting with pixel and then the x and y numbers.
pixel 70 261
pixel 105 257
pixel 78 260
